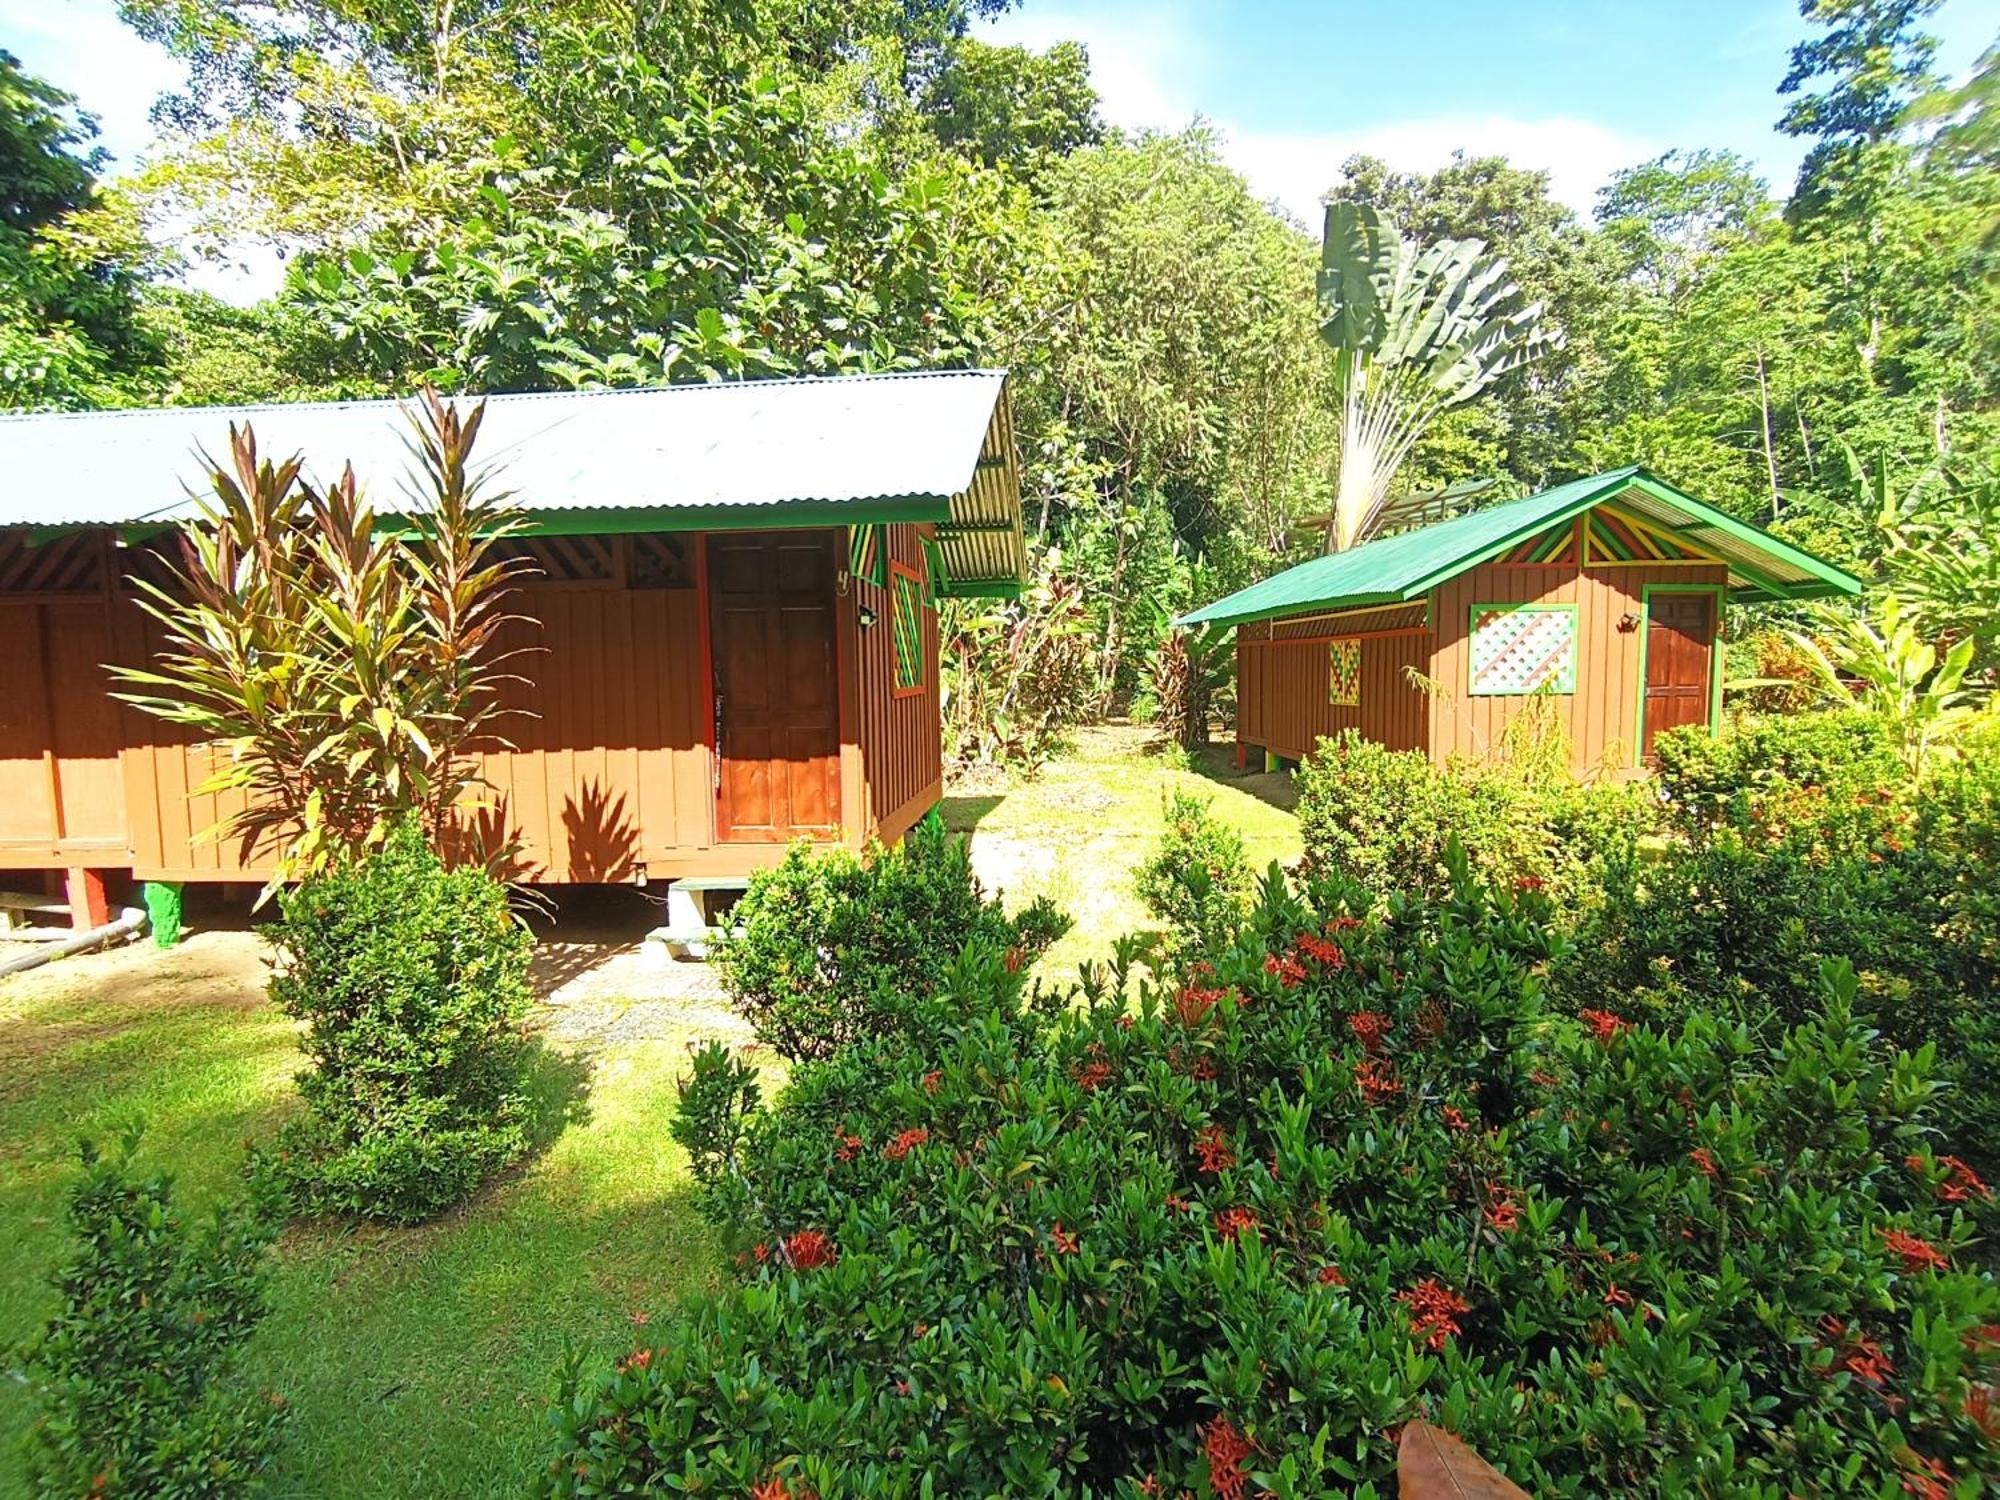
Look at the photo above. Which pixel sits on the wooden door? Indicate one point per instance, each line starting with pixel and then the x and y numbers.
pixel 1680 651
pixel 777 687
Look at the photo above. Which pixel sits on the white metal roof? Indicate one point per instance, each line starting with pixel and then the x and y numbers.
pixel 737 443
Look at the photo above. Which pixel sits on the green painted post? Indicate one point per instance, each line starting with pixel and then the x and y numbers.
pixel 1272 763
pixel 163 911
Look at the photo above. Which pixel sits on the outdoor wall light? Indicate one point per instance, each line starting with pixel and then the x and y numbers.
pixel 1628 621
pixel 866 616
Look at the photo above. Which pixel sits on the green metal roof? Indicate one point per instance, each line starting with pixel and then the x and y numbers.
pixel 1399 569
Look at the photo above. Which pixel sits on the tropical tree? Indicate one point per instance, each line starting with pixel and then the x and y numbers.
pixel 343 673
pixel 1415 333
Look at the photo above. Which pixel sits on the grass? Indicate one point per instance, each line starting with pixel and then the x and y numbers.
pixel 416 1361
pixel 421 1361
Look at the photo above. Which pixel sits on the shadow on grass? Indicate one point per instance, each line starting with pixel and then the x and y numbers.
pixel 558 1094
pixel 1217 763
pixel 961 814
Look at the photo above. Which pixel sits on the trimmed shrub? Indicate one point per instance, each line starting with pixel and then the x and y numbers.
pixel 1386 818
pixel 1196 880
pixel 1354 1173
pixel 412 980
pixel 829 949
pixel 1758 771
pixel 136 1371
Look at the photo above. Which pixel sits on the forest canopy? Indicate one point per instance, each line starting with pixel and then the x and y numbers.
pixel 503 196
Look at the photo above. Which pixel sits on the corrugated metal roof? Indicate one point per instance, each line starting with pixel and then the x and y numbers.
pixel 821 442
pixel 1410 564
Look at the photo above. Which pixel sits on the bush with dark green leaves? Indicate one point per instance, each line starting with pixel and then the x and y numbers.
pixel 1224 1235
pixel 412 981
pixel 136 1372
pixel 1196 880
pixel 1387 817
pixel 829 948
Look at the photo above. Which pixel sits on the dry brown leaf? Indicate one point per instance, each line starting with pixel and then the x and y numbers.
pixel 1431 1464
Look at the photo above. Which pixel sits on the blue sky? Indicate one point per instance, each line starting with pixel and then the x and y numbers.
pixel 1575 87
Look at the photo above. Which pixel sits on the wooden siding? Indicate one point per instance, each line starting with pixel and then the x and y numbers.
pixel 898 763
pixel 1283 676
pixel 609 774
pixel 1602 714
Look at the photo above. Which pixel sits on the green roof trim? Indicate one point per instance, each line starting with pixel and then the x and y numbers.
pixel 1402 568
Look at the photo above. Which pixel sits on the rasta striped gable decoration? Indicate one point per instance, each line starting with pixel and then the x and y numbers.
pixel 1523 648
pixel 1343 681
pixel 1556 545
pixel 1612 538
pixel 868 553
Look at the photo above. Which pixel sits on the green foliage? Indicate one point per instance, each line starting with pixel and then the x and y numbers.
pixel 1230 1239
pixel 412 982
pixel 1713 781
pixel 830 949
pixel 136 1372
pixel 1017 675
pixel 1388 820
pixel 1196 880
pixel 344 672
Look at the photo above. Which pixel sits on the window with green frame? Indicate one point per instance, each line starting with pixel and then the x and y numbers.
pixel 906 620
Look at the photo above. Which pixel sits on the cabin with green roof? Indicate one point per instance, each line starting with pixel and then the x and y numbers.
pixel 1604 594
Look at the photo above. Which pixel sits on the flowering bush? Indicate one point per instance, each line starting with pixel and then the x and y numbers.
pixel 1345 1172
pixel 1196 880
pixel 830 948
pixel 1387 817
pixel 136 1370
pixel 413 983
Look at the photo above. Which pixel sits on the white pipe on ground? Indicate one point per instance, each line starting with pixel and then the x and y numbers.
pixel 128 921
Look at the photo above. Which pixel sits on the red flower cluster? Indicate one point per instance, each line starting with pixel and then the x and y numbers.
pixel 1228 1458
pixel 1702 1160
pixel 1434 1309
pixel 1329 1275
pixel 1918 1255
pixel 1213 1150
pixel 775 1488
pixel 1861 1356
pixel 1376 1080
pixel 931 1081
pixel 638 1359
pixel 1929 1480
pixel 1194 1003
pixel 1603 1024
pixel 906 1142
pixel 845 1146
pixel 1323 952
pixel 1528 883
pixel 1062 1239
pixel 1232 1222
pixel 1503 1213
pixel 1369 1027
pixel 1178 1204
pixel 1961 1184
pixel 1616 1296
pixel 1456 1120
pixel 809 1249
pixel 1291 973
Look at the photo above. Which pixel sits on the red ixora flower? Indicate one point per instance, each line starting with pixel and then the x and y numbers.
pixel 1323 952
pixel 1918 1254
pixel 1434 1309
pixel 1228 1457
pixel 1961 1183
pixel 1702 1160
pixel 1093 1076
pixel 1062 1239
pixel 1929 1480
pixel 1376 1080
pixel 1528 882
pixel 638 1359
pixel 1503 1213
pixel 1213 1150
pixel 1455 1119
pixel 845 1146
pixel 1192 1005
pixel 1232 1222
pixel 931 1081
pixel 1291 973
pixel 775 1488
pixel 1603 1024
pixel 1369 1027
pixel 905 1143
pixel 1329 1275
pixel 809 1249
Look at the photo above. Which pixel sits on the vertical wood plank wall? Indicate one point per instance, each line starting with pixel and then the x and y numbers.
pixel 901 758
pixel 1603 713
pixel 1282 697
pixel 61 792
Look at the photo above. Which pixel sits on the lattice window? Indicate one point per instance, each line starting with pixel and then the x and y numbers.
pixel 1523 648
pixel 1343 673
pixel 906 619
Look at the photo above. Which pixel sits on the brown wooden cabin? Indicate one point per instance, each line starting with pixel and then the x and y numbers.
pixel 1605 594
pixel 734 617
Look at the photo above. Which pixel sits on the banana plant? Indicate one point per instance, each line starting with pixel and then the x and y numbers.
pixel 1416 332
pixel 1884 666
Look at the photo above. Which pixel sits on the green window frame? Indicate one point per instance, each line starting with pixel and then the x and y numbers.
pixel 1514 650
pixel 1343 672
pixel 906 623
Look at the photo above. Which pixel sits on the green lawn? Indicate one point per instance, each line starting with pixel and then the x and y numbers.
pixel 420 1362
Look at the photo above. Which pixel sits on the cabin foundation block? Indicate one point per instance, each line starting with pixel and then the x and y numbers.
pixel 163 911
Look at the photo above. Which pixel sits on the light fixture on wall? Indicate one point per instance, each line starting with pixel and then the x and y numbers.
pixel 866 616
pixel 1628 621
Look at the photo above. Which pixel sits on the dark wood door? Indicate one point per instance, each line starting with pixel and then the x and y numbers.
pixel 777 687
pixel 1680 650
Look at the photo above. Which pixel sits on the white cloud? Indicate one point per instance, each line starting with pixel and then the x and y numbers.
pixel 83 47
pixel 1152 71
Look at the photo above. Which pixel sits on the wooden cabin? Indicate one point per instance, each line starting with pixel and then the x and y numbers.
pixel 1605 594
pixel 733 617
